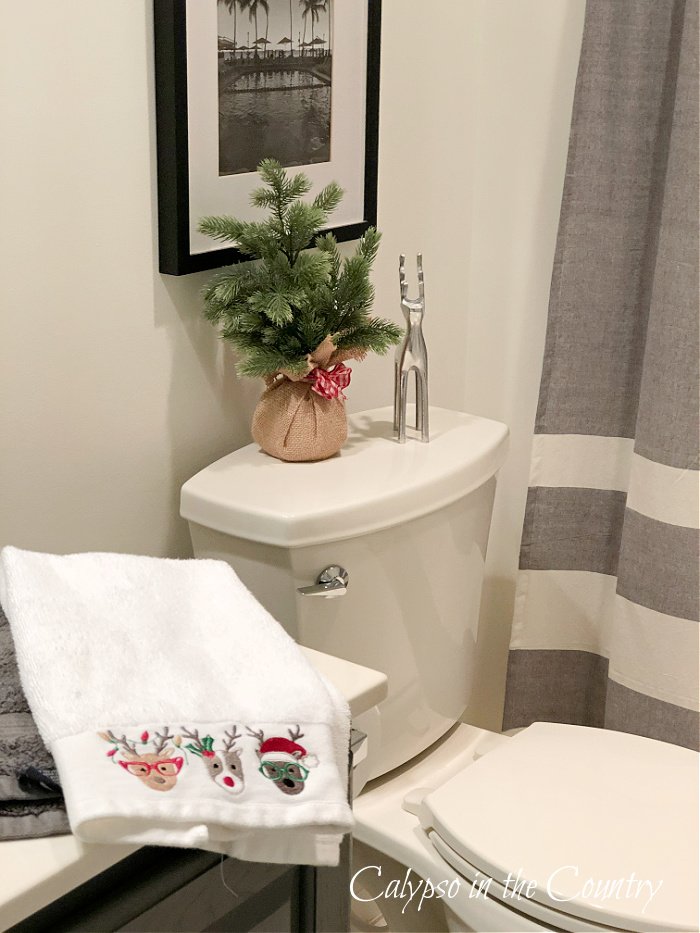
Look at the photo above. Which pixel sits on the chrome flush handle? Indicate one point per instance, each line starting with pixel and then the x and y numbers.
pixel 331 582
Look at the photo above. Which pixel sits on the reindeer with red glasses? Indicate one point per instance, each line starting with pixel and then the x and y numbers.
pixel 157 769
pixel 223 766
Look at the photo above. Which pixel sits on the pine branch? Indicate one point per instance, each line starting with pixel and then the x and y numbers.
pixel 310 270
pixel 277 311
pixel 328 245
pixel 262 197
pixel 328 199
pixel 273 175
pixel 273 305
pixel 223 289
pixel 368 246
pixel 297 187
pixel 221 228
pixel 267 361
pixel 374 335
pixel 303 221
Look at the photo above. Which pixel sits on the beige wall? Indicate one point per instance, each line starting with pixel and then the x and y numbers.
pixel 113 390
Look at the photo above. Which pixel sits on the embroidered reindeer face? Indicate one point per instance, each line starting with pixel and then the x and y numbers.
pixel 157 769
pixel 284 761
pixel 224 767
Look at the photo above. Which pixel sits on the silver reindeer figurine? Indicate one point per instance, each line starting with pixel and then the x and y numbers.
pixel 411 356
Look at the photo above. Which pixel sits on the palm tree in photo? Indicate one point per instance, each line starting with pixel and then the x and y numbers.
pixel 304 4
pixel 291 30
pixel 252 7
pixel 312 9
pixel 265 41
pixel 232 6
pixel 326 8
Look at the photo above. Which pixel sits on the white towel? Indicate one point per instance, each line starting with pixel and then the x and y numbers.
pixel 178 711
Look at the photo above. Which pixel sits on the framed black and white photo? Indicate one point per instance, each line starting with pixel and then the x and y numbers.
pixel 242 80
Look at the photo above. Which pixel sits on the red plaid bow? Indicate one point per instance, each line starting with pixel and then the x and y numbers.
pixel 330 382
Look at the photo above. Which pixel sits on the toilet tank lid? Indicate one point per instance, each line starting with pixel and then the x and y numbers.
pixel 372 484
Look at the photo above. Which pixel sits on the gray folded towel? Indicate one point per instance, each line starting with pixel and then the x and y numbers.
pixel 30 803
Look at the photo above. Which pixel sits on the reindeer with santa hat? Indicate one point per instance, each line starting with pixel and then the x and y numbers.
pixel 284 761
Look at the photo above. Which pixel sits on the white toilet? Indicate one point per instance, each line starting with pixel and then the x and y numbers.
pixel 558 828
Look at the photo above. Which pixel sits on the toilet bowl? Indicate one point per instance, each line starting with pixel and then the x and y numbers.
pixel 397 535
pixel 559 828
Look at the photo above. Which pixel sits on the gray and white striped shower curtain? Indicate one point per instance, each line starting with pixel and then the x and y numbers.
pixel 606 623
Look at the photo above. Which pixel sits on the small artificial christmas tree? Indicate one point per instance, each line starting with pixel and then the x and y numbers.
pixel 278 311
pixel 297 314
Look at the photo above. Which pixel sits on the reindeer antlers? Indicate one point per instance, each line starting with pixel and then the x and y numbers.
pixel 195 738
pixel 412 304
pixel 231 737
pixel 402 276
pixel 129 746
pixel 109 736
pixel 294 734
pixel 202 747
pixel 162 740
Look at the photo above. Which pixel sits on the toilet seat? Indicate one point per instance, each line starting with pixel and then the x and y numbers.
pixel 561 804
pixel 551 919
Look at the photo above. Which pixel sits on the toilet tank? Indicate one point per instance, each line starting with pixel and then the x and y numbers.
pixel 409 522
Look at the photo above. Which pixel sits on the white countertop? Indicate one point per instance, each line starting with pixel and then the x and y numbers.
pixel 35 872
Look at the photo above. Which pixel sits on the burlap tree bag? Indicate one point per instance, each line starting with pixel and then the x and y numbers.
pixel 303 417
pixel 292 422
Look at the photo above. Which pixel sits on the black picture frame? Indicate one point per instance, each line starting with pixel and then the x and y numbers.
pixel 170 33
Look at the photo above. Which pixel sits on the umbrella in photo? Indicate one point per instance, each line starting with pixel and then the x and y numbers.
pixel 316 42
pixel 261 43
